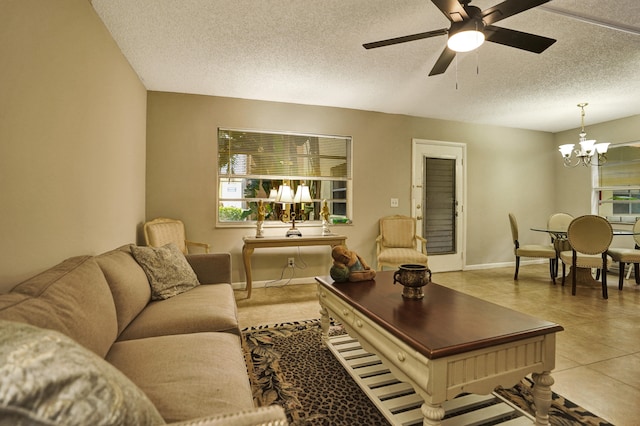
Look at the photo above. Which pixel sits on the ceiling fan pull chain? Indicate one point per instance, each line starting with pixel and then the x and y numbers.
pixel 456 72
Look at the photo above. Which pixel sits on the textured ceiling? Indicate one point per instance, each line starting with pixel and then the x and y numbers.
pixel 310 52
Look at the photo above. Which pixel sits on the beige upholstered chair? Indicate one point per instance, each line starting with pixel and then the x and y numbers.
pixel 559 222
pixel 398 243
pixel 531 250
pixel 628 255
pixel 589 237
pixel 161 231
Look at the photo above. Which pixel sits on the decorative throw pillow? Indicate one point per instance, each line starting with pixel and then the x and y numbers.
pixel 48 379
pixel 167 269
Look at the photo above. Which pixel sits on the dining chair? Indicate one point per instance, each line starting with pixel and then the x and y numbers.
pixel 398 242
pixel 628 255
pixel 531 250
pixel 161 231
pixel 559 222
pixel 590 237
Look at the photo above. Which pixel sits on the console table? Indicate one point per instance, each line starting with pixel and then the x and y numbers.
pixel 251 243
pixel 445 344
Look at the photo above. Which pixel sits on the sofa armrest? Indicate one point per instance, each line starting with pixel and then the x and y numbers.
pixel 272 415
pixel 211 268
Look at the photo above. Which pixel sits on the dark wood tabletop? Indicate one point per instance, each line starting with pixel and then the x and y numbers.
pixel 445 322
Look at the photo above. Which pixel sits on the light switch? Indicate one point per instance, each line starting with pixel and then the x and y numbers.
pixel 394 202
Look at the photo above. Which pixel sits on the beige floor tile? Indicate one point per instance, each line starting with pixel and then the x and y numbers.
pixel 600 394
pixel 625 369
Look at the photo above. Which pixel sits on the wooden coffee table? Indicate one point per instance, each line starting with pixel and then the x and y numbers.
pixel 445 344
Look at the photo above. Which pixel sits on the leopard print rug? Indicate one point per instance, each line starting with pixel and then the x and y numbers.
pixel 289 365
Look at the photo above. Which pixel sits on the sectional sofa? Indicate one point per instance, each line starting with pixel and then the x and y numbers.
pixel 135 335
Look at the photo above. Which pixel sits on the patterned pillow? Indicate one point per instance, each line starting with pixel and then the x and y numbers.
pixel 167 269
pixel 48 379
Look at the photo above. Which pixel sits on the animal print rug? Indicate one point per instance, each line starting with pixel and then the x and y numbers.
pixel 289 365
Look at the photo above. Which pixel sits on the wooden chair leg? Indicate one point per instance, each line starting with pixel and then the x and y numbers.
pixel 636 272
pixel 515 276
pixel 605 294
pixel 564 273
pixel 552 269
pixel 621 278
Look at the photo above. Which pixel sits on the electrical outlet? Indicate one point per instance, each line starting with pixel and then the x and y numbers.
pixel 291 262
pixel 394 202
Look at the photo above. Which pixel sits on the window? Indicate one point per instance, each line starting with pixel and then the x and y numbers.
pixel 251 164
pixel 617 184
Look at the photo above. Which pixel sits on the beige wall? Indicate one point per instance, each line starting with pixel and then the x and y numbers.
pixel 72 137
pixel 508 170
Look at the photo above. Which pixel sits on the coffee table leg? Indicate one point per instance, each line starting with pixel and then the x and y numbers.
pixel 432 414
pixel 542 396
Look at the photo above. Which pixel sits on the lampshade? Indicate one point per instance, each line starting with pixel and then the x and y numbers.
pixel 273 194
pixel 465 41
pixel 285 194
pixel 566 149
pixel 602 147
pixel 302 194
pixel 586 146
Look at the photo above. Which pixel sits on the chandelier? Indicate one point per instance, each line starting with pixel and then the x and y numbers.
pixel 588 148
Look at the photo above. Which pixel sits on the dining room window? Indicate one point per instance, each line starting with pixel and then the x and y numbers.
pixel 253 163
pixel 617 184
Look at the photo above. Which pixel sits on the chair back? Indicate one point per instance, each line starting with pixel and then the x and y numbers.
pixel 161 231
pixel 514 227
pixel 559 221
pixel 398 231
pixel 590 234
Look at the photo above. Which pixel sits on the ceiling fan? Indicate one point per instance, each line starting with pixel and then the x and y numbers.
pixel 476 26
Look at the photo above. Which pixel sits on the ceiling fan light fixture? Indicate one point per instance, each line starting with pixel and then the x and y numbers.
pixel 465 41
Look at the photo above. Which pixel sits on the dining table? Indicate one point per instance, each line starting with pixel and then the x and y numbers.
pixel 583 275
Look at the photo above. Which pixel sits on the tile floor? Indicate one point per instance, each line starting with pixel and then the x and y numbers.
pixel 597 355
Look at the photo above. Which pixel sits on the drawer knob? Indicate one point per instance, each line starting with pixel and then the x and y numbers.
pixel 401 357
pixel 358 323
pixel 345 312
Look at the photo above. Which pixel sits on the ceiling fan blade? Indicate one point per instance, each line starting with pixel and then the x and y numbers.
pixel 452 9
pixel 405 39
pixel 518 39
pixel 443 61
pixel 508 8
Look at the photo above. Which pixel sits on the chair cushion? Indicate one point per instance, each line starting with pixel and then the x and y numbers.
pixel 72 297
pixel 167 269
pixel 50 379
pixel 625 255
pixel 584 260
pixel 536 250
pixel 398 256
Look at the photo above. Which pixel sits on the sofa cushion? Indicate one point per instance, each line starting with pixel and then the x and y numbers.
pixel 50 379
pixel 208 307
pixel 128 283
pixel 168 271
pixel 187 375
pixel 72 297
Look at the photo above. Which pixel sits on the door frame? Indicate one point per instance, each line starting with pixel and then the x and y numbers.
pixel 418 146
